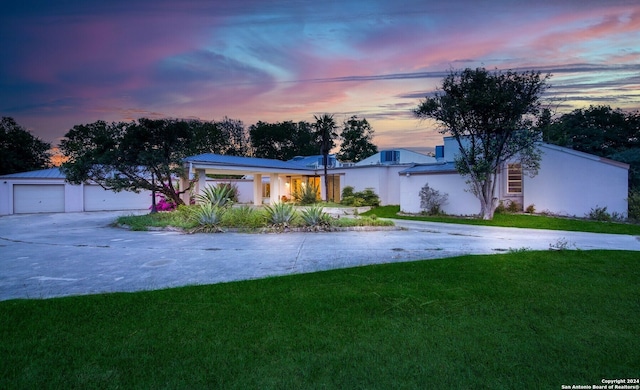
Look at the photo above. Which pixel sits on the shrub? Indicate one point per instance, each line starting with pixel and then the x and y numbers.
pixel 208 217
pixel 508 206
pixel 370 197
pixel 280 215
pixel 314 218
pixel 531 209
pixel 362 198
pixel 347 192
pixel 634 205
pixel 431 200
pixel 513 207
pixel 244 217
pixel 599 214
pixel 308 194
pixel 163 204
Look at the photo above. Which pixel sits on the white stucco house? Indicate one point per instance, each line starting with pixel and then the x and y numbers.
pixel 568 183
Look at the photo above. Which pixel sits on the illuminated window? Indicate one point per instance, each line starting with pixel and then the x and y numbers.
pixel 514 179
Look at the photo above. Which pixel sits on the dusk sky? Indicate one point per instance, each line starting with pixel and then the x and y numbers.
pixel 70 62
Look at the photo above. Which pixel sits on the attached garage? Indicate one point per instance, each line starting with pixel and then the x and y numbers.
pixel 38 198
pixel 46 191
pixel 97 198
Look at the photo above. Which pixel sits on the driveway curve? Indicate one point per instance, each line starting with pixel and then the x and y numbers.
pixel 51 255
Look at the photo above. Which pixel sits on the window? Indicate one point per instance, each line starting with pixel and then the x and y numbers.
pixel 389 156
pixel 331 161
pixel 514 178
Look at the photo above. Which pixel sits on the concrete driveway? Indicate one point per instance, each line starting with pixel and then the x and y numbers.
pixel 50 255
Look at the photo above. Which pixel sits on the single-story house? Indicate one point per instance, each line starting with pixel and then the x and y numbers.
pixel 379 172
pixel 45 191
pixel 568 183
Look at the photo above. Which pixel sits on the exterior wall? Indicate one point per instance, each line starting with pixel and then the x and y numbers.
pixel 245 188
pixel 568 183
pixel 572 183
pixel 73 195
pixel 460 201
pixel 383 179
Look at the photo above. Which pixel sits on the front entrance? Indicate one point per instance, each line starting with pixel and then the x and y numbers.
pixel 300 184
pixel 334 188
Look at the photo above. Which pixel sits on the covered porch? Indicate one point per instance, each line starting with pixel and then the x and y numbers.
pixel 282 174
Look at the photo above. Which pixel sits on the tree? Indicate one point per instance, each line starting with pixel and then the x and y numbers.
pixel 356 138
pixel 490 115
pixel 325 127
pixel 282 140
pixel 143 155
pixel 20 151
pixel 239 142
pixel 602 131
pixel 598 130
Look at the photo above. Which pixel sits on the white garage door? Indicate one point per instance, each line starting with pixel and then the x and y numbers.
pixel 38 198
pixel 97 198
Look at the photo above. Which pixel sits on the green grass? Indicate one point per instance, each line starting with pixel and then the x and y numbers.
pixel 534 320
pixel 519 221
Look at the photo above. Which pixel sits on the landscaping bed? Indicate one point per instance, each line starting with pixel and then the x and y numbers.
pixel 243 218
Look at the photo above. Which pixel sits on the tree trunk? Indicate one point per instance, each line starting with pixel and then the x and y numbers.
pixel 487 197
pixel 172 195
pixel 487 209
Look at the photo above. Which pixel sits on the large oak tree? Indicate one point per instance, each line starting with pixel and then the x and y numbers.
pixel 142 155
pixel 491 116
pixel 602 131
pixel 282 140
pixel 20 151
pixel 356 137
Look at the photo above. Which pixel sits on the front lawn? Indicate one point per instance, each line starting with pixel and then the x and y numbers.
pixel 513 321
pixel 518 220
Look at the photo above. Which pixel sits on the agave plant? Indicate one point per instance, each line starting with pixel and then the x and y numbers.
pixel 280 215
pixel 209 217
pixel 315 218
pixel 220 196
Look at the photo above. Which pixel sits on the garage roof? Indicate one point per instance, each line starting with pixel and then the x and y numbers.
pixel 51 173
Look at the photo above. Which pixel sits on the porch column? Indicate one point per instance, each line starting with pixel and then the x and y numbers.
pixel 202 181
pixel 257 189
pixel 184 183
pixel 274 180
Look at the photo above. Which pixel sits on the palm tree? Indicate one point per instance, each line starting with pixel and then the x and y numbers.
pixel 325 128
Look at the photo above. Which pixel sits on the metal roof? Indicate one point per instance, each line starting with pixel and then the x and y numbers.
pixel 247 162
pixel 425 169
pixel 51 173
